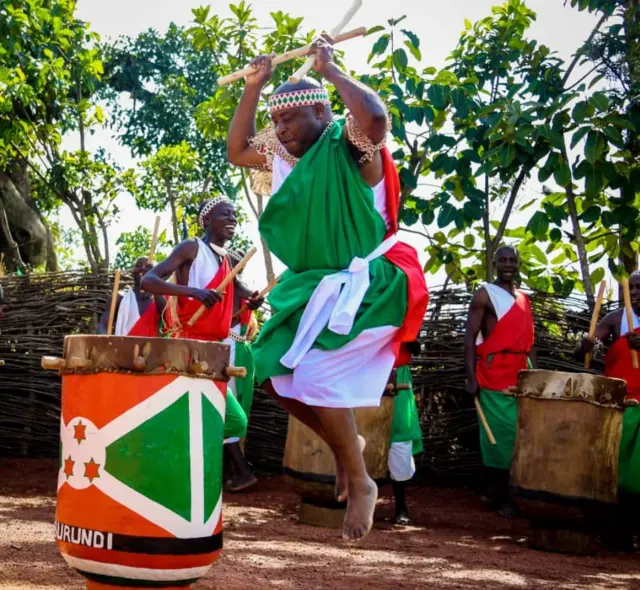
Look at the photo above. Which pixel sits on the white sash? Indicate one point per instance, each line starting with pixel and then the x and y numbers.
pixel 204 267
pixel 624 324
pixel 335 301
pixel 128 313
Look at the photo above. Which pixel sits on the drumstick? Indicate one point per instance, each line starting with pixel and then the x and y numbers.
pixel 114 300
pixel 335 31
pixel 221 287
pixel 289 55
pixel 262 294
pixel 154 239
pixel 627 306
pixel 485 424
pixel 594 320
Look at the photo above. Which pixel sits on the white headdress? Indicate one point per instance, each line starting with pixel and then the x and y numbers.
pixel 210 205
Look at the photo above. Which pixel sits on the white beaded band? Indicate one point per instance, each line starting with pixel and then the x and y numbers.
pixel 210 206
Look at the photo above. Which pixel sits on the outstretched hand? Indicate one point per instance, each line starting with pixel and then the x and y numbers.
pixel 207 297
pixel 255 302
pixel 262 70
pixel 322 49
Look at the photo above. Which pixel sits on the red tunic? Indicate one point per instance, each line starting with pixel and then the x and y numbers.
pixel 147 324
pixel 618 364
pixel 214 324
pixel 504 353
pixel 406 258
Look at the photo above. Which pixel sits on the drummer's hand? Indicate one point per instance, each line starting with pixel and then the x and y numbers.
pixel 634 340
pixel 322 48
pixel 587 345
pixel 472 387
pixel 254 302
pixel 262 71
pixel 207 297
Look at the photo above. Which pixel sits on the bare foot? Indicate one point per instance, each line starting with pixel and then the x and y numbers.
pixel 242 482
pixel 358 519
pixel 342 486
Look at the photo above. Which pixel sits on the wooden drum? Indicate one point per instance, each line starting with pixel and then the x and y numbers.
pixel 310 468
pixel 564 474
pixel 139 486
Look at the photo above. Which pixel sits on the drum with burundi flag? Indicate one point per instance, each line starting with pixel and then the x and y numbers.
pixel 139 485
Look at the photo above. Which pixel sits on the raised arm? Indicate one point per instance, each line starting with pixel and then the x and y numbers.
pixel 474 323
pixel 155 281
pixel 243 124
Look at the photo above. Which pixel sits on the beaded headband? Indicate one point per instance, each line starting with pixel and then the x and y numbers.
pixel 298 98
pixel 210 206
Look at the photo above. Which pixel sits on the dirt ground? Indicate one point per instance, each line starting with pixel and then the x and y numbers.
pixel 454 544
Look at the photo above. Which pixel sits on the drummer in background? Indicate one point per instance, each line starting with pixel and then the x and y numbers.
pixel 138 312
pixel 498 344
pixel 614 329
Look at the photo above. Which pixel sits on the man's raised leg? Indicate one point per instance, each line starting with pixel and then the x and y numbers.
pixel 340 426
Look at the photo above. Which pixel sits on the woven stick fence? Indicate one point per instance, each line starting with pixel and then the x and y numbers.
pixel 42 309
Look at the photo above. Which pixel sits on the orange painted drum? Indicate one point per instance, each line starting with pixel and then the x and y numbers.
pixel 139 485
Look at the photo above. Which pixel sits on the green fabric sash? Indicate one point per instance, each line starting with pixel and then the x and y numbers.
pixel 629 463
pixel 406 422
pixel 501 412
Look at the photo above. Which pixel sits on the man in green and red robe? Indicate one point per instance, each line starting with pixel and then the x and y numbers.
pixel 353 295
pixel 614 329
pixel 499 340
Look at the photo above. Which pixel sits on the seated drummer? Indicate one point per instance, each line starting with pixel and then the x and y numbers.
pixel 138 312
pixel 614 329
pixel 498 344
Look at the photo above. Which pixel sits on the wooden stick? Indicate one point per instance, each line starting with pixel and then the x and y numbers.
pixel 627 306
pixel 304 69
pixel 154 239
pixel 222 286
pixel 289 55
pixel 485 424
pixel 114 300
pixel 594 320
pixel 262 294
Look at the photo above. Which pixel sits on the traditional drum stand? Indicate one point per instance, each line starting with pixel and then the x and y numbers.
pixel 139 485
pixel 564 474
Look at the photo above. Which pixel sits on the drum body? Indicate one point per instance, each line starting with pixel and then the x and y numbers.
pixel 310 468
pixel 140 486
pixel 564 473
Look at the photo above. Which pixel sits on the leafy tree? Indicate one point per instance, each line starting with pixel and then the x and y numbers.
pixel 132 245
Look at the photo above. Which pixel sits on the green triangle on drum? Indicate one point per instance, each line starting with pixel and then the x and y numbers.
pixel 154 458
pixel 212 438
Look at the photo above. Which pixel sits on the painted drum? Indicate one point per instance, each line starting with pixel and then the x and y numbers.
pixel 310 468
pixel 140 480
pixel 564 473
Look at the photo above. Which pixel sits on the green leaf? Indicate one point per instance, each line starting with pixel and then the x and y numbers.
pixel 538 254
pixel 400 59
pixel 460 102
pixel 594 183
pixel 446 215
pixel 595 146
pixel 408 179
pixel 380 46
pixel 538 225
pixel 427 217
pixel 614 136
pixel 413 38
pixel 562 173
pixel 581 111
pixel 413 50
pixel 547 170
pixel 439 95
pixel 555 234
pixel 578 135
pixel 467 24
pixel 591 214
pixel 374 30
pixel 600 101
pixel 469 240
pixel 507 155
pixel 597 275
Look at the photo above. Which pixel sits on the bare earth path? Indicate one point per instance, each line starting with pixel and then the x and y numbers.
pixel 453 545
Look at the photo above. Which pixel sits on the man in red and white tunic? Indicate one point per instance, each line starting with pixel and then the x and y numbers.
pixel 138 312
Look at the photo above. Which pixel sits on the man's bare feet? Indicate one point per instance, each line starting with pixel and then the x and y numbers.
pixel 242 482
pixel 358 519
pixel 342 485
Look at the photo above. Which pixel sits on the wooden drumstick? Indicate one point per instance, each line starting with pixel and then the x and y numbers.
pixel 154 239
pixel 261 295
pixel 304 69
pixel 222 286
pixel 594 320
pixel 485 424
pixel 114 301
pixel 289 55
pixel 627 307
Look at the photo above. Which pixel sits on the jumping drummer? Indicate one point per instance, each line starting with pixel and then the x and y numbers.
pixel 352 293
pixel 614 329
pixel 138 312
pixel 498 344
pixel 200 265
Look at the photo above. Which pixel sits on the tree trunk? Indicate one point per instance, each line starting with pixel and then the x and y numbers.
pixel 488 242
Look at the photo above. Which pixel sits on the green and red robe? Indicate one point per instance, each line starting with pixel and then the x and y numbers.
pixel 130 322
pixel 352 293
pixel 499 359
pixel 618 364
